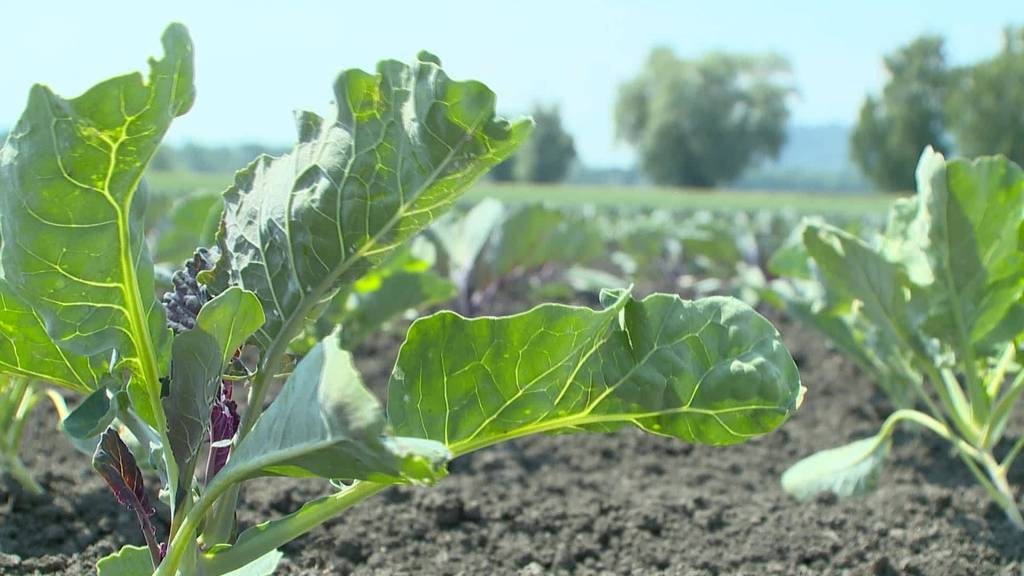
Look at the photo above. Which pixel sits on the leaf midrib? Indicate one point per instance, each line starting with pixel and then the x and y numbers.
pixel 464 447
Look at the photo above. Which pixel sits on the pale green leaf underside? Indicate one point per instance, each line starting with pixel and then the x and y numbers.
pixel 850 470
pixel 326 423
pixel 128 561
pixel 263 566
pixel 399 148
pixel 26 348
pixel 710 371
pixel 73 209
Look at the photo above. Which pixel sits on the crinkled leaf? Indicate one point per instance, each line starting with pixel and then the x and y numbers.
pixel 399 148
pixel 710 371
pixel 26 348
pixel 72 212
pixel 849 470
pixel 128 561
pixel 326 423
pixel 198 360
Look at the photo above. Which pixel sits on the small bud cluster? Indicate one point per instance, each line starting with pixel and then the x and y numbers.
pixel 184 302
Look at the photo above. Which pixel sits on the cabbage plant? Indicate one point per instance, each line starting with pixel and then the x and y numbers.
pixel 19 395
pixel 932 309
pixel 493 243
pixel 399 147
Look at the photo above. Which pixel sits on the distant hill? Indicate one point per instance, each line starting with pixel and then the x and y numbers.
pixel 815 158
pixel 817 148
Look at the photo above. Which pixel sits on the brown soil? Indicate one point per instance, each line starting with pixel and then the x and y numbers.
pixel 627 503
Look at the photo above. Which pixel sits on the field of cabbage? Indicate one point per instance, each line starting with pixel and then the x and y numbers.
pixel 576 505
pixel 345 363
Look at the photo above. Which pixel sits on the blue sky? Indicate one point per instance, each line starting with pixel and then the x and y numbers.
pixel 257 63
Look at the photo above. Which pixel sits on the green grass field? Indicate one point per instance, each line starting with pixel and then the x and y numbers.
pixel 179 183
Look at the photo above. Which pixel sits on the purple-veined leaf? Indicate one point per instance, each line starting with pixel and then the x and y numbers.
pixel 117 466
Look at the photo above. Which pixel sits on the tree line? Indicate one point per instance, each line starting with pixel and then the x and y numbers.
pixel 705 121
pixel 970 110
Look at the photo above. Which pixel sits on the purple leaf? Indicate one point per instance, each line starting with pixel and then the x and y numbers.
pixel 117 466
pixel 224 422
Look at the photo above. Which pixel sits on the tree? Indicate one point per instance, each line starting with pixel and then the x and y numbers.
pixel 548 153
pixel 985 109
pixel 703 122
pixel 910 115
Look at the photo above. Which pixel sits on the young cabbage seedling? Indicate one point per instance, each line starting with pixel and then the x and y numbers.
pixel 18 396
pixel 400 146
pixel 936 299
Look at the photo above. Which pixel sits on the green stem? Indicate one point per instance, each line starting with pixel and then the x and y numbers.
pixel 12 400
pixel 995 427
pixel 994 380
pixel 22 401
pixel 221 522
pixel 935 426
pixel 13 466
pixel 1012 455
pixel 950 394
pixel 998 488
pixel 269 536
pixel 183 539
pixel 28 402
pixel 992 479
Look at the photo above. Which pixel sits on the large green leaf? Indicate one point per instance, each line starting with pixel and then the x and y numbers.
pixel 971 212
pixel 198 360
pixel 398 149
pixel 326 423
pixel 710 371
pixel 72 211
pixel 26 348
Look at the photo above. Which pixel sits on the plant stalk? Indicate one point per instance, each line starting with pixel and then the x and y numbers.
pixel 271 535
pixel 16 469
